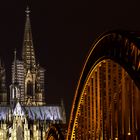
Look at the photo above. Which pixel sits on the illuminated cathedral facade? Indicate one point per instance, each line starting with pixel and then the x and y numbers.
pixel 25 115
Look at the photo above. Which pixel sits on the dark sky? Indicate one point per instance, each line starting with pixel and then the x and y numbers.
pixel 63 32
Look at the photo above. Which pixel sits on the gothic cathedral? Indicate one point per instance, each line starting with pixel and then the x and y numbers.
pixel 25 115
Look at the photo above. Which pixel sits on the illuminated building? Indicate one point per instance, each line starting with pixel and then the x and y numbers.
pixel 26 73
pixel 107 99
pixel 18 78
pixel 26 116
pixel 3 90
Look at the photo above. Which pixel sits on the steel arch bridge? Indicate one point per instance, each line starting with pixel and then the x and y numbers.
pixel 105 115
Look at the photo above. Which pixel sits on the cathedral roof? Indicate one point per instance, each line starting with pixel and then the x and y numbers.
pixel 45 112
pixel 18 110
pixel 48 113
pixel 3 112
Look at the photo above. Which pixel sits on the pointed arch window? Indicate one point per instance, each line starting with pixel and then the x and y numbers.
pixel 29 88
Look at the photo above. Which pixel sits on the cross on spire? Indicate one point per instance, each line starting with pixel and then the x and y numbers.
pixel 27 11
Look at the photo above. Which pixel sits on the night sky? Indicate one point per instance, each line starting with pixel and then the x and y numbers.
pixel 63 32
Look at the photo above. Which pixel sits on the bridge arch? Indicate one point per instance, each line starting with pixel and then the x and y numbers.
pixel 120 46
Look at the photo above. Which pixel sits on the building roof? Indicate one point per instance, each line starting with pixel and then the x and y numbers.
pixel 3 112
pixel 48 113
pixel 44 112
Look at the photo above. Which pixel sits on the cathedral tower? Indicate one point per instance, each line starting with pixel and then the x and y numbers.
pixel 34 82
pixel 28 57
pixel 17 86
pixel 3 91
pixel 28 54
pixel 28 75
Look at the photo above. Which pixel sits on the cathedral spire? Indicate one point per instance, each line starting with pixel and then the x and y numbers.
pixel 28 54
pixel 2 74
pixel 15 56
pixel 3 90
pixel 15 66
pixel 27 11
pixel 0 63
